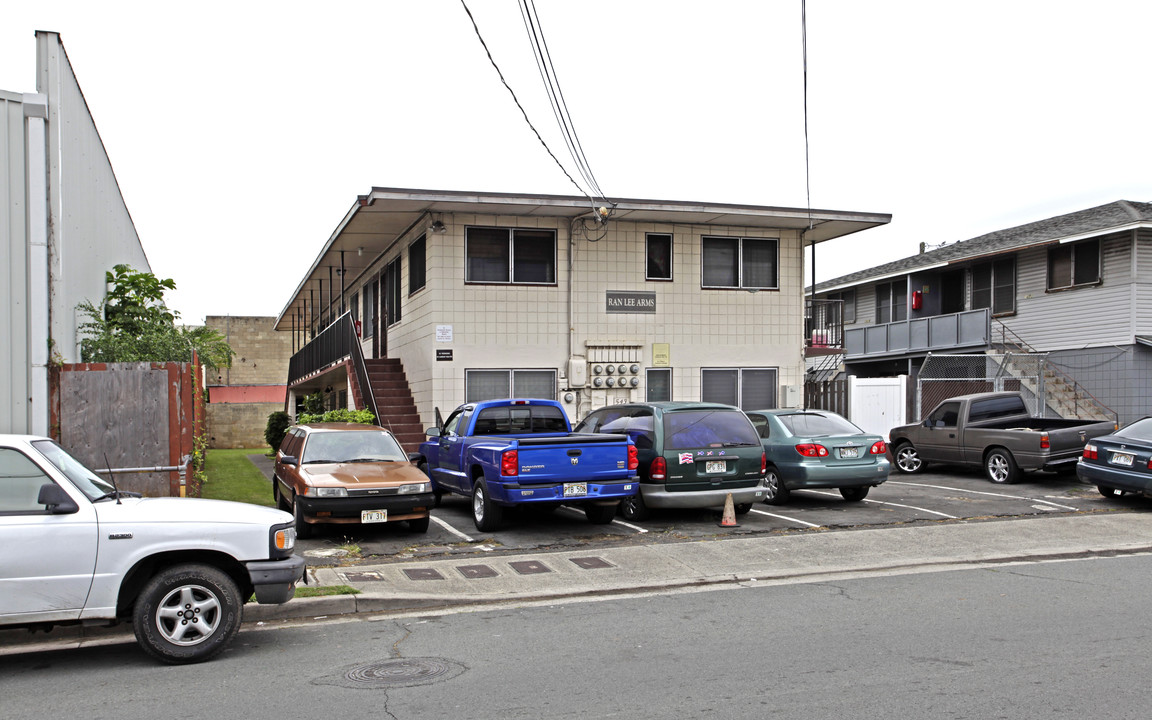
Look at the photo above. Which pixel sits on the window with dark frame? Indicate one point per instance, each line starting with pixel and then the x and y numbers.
pixel 417 264
pixel 658 254
pixel 518 256
pixel 746 388
pixel 392 292
pixel 994 286
pixel 1073 264
pixel 500 384
pixel 745 263
pixel 847 300
pixel 892 301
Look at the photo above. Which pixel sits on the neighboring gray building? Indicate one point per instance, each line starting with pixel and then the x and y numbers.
pixel 63 223
pixel 1077 287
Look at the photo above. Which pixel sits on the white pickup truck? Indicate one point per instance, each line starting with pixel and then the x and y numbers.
pixel 74 549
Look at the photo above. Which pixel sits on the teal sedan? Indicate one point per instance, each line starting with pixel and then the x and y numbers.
pixel 808 449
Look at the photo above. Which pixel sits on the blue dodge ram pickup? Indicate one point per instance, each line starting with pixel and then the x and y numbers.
pixel 504 453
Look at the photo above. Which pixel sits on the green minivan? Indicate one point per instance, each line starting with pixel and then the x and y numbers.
pixel 692 454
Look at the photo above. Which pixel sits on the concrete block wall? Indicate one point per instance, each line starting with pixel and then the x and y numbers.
pixel 262 354
pixel 239 425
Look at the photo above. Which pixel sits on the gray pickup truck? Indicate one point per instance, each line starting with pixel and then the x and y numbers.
pixel 995 431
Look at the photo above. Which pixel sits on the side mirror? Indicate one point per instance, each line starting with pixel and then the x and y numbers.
pixel 927 423
pixel 432 432
pixel 57 502
pixel 290 460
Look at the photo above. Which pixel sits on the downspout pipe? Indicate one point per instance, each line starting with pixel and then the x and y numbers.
pixel 39 291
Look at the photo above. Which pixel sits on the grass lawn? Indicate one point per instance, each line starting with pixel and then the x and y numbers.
pixel 232 476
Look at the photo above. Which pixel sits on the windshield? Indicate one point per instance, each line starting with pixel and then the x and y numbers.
pixel 686 429
pixel 818 425
pixel 87 481
pixel 351 446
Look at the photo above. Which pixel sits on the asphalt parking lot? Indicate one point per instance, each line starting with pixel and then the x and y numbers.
pixel 936 496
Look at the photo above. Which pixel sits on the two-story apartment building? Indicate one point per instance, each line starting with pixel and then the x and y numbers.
pixel 488 295
pixel 1077 287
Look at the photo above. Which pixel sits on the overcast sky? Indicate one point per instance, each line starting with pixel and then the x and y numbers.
pixel 242 132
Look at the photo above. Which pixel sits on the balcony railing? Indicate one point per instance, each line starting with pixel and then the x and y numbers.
pixel 938 333
pixel 823 323
pixel 332 345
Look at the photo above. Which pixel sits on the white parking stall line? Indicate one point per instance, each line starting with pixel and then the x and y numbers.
pixel 614 522
pixel 452 530
pixel 882 502
pixel 785 517
pixel 981 492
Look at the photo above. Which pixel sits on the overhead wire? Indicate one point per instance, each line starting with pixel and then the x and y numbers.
pixel 551 80
pixel 523 112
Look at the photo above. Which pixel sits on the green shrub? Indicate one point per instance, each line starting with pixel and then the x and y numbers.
pixel 314 404
pixel 278 423
pixel 344 415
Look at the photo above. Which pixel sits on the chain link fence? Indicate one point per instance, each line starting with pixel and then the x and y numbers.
pixel 946 376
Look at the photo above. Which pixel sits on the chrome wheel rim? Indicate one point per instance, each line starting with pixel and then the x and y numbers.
pixel 188 615
pixel 997 468
pixel 908 459
pixel 771 485
pixel 478 504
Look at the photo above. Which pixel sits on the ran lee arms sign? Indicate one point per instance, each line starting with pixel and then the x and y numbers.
pixel 619 301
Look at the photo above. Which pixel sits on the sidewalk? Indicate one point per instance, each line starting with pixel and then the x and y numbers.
pixel 486 579
pixel 428 585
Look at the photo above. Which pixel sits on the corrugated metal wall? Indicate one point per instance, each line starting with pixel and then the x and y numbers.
pixel 14 358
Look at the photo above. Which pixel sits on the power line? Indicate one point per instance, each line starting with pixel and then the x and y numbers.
pixel 517 101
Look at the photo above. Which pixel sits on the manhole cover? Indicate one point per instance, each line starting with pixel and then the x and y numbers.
pixel 529 567
pixel 398 672
pixel 591 563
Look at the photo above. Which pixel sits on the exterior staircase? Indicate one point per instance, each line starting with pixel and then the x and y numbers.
pixel 389 387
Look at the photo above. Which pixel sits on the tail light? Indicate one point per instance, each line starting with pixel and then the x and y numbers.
pixel 812 450
pixel 509 463
pixel 633 458
pixel 658 470
pixel 878 448
pixel 764 463
pixel 1090 452
pixel 1044 444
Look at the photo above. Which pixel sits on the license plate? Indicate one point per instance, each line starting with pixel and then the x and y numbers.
pixel 373 516
pixel 715 466
pixel 1121 459
pixel 575 489
pixel 849 452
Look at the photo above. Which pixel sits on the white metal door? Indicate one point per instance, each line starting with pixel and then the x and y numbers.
pixel 877 404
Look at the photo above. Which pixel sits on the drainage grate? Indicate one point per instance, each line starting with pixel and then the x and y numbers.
pixel 476 571
pixel 530 567
pixel 422 574
pixel 398 672
pixel 591 563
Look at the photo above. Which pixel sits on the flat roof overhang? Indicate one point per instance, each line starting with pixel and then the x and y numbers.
pixel 379 219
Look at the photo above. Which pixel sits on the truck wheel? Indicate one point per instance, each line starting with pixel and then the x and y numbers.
pixel 486 514
pixel 775 492
pixel 187 613
pixel 419 525
pixel 855 494
pixel 633 508
pixel 303 529
pixel 907 458
pixel 600 514
pixel 742 508
pixel 1000 466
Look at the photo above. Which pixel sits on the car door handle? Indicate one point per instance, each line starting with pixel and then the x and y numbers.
pixel 951 435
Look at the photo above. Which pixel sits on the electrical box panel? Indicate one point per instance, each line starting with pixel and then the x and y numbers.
pixel 577 371
pixel 793 396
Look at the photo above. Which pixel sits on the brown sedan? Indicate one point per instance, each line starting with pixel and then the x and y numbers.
pixel 348 473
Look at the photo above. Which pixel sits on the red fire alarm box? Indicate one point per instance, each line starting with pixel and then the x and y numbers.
pixel 917 299
pixel 357 324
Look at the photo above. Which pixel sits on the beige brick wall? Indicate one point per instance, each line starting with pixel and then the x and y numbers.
pixel 239 425
pixel 262 354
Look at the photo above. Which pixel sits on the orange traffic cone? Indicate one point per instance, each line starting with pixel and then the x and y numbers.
pixel 729 517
